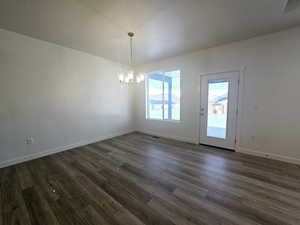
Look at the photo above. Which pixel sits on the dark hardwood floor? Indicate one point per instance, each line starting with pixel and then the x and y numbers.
pixel 135 179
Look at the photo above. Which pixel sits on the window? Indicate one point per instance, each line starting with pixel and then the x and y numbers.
pixel 163 95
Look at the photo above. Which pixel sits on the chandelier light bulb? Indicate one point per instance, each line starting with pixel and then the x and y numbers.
pixel 121 77
pixel 142 77
pixel 130 75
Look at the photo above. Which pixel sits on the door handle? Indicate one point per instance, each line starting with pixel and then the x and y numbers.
pixel 202 114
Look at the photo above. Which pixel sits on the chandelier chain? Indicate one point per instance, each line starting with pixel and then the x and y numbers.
pixel 131 51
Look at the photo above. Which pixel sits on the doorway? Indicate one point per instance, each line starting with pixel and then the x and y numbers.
pixel 218 109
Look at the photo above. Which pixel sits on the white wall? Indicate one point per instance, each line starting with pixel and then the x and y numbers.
pixel 64 98
pixel 59 96
pixel 270 111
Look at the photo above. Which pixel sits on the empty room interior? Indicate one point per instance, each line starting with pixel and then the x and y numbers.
pixel 149 112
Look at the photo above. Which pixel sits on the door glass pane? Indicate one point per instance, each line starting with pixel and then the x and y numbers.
pixel 217 108
pixel 172 95
pixel 155 96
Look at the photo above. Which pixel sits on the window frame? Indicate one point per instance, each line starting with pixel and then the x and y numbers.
pixel 163 96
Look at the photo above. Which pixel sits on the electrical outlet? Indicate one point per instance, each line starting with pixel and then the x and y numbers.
pixel 29 140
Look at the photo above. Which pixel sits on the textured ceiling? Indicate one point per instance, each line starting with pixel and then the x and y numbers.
pixel 163 27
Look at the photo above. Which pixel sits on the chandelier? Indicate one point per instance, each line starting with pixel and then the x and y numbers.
pixel 130 77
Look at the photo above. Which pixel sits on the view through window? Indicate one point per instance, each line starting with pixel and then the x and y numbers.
pixel 163 95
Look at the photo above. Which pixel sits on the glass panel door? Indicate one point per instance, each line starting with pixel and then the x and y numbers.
pixel 218 112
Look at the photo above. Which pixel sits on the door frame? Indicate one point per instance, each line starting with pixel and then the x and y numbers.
pixel 240 101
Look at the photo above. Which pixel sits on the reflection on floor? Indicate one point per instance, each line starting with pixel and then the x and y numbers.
pixel 135 179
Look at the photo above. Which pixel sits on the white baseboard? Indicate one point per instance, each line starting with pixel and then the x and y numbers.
pixel 177 138
pixel 238 149
pixel 21 159
pixel 268 155
pixel 101 138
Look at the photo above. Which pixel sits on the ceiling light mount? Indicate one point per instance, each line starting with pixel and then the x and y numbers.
pixel 131 34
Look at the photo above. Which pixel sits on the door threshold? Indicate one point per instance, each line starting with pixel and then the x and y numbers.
pixel 220 148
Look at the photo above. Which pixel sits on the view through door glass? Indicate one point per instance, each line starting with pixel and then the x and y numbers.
pixel 217 108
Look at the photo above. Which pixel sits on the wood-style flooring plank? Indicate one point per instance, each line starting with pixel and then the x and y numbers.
pixel 136 179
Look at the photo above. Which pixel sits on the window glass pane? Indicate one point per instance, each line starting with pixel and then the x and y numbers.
pixel 172 95
pixel 166 100
pixel 217 109
pixel 155 96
